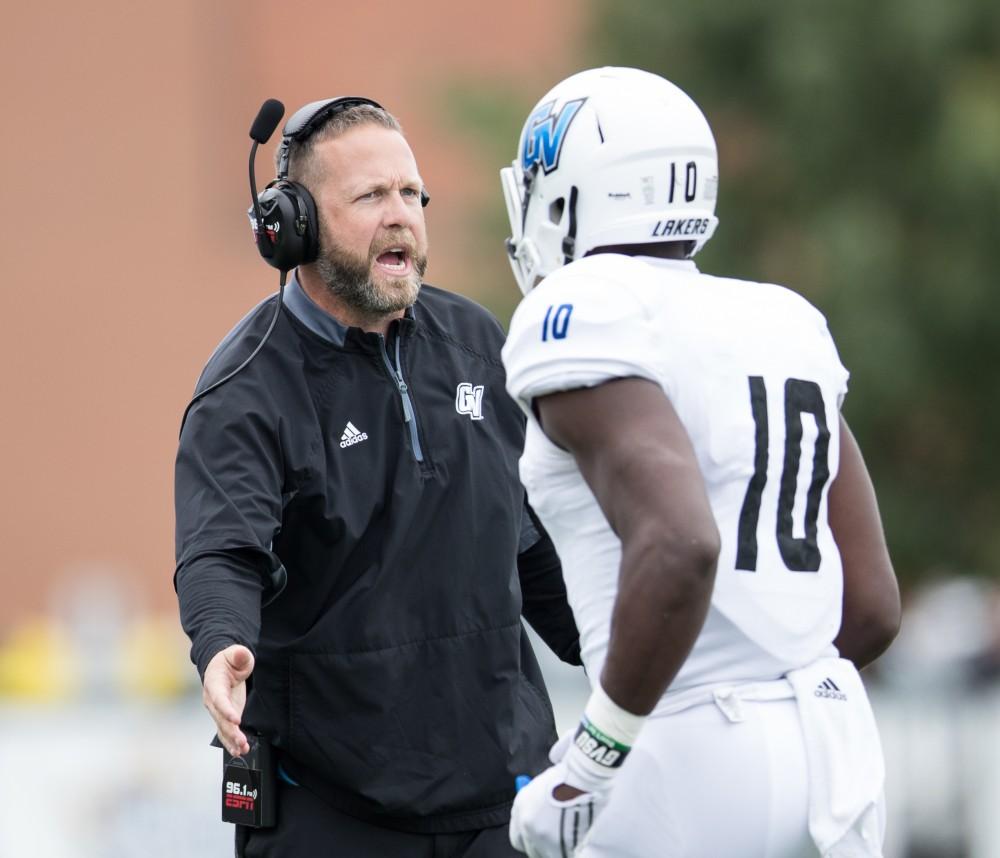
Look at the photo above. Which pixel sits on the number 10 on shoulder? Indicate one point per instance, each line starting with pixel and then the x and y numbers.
pixel 555 325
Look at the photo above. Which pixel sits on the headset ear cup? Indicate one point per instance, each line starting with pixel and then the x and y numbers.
pixel 290 236
pixel 306 222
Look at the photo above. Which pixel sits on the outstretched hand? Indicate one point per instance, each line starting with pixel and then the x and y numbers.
pixel 224 693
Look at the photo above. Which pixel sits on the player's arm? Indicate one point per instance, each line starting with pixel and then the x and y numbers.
pixel 637 459
pixel 872 609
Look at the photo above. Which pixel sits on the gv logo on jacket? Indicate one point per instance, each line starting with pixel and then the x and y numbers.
pixel 469 400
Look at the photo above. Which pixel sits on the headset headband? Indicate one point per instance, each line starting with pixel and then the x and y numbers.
pixel 306 120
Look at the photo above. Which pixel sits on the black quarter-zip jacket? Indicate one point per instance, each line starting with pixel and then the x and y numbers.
pixel 380 474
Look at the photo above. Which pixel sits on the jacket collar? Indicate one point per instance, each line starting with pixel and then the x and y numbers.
pixel 312 315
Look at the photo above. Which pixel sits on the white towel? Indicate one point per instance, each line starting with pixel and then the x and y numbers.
pixel 844 756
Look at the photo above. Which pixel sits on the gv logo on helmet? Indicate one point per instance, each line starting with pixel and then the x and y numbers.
pixel 544 133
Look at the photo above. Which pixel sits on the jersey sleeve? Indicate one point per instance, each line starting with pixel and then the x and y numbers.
pixel 576 330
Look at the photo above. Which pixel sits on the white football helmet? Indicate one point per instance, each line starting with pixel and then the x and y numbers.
pixel 609 156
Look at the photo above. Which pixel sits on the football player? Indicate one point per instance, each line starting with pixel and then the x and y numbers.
pixel 718 529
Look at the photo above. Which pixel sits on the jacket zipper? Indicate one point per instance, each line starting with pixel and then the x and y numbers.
pixel 409 417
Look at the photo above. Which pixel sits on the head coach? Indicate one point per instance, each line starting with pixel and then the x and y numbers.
pixel 354 548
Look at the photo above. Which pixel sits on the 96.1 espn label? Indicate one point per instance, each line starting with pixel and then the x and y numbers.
pixel 240 789
pixel 240 795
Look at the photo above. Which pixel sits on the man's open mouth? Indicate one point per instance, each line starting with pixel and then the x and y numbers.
pixel 395 260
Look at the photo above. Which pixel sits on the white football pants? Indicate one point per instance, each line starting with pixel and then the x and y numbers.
pixel 700 785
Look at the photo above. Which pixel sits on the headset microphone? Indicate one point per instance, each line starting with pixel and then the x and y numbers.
pixel 263 126
pixel 266 121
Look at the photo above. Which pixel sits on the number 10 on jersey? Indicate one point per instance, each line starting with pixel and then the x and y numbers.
pixel 798 554
pixel 555 325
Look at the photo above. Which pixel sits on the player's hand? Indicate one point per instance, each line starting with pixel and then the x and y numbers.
pixel 224 692
pixel 542 826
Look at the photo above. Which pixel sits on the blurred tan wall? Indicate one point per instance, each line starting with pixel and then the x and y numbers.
pixel 127 255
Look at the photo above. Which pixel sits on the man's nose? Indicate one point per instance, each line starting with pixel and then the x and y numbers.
pixel 398 211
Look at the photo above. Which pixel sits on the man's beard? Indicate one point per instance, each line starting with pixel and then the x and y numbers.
pixel 349 277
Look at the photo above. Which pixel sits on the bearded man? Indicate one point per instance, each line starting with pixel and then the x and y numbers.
pixel 352 538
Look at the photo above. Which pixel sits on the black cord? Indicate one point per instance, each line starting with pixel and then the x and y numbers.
pixel 253 354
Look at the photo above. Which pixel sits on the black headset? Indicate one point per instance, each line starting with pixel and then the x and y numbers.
pixel 290 234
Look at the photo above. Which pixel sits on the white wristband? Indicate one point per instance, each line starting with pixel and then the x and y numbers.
pixel 608 717
pixel 603 740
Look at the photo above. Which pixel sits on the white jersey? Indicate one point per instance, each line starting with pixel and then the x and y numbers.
pixel 754 377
